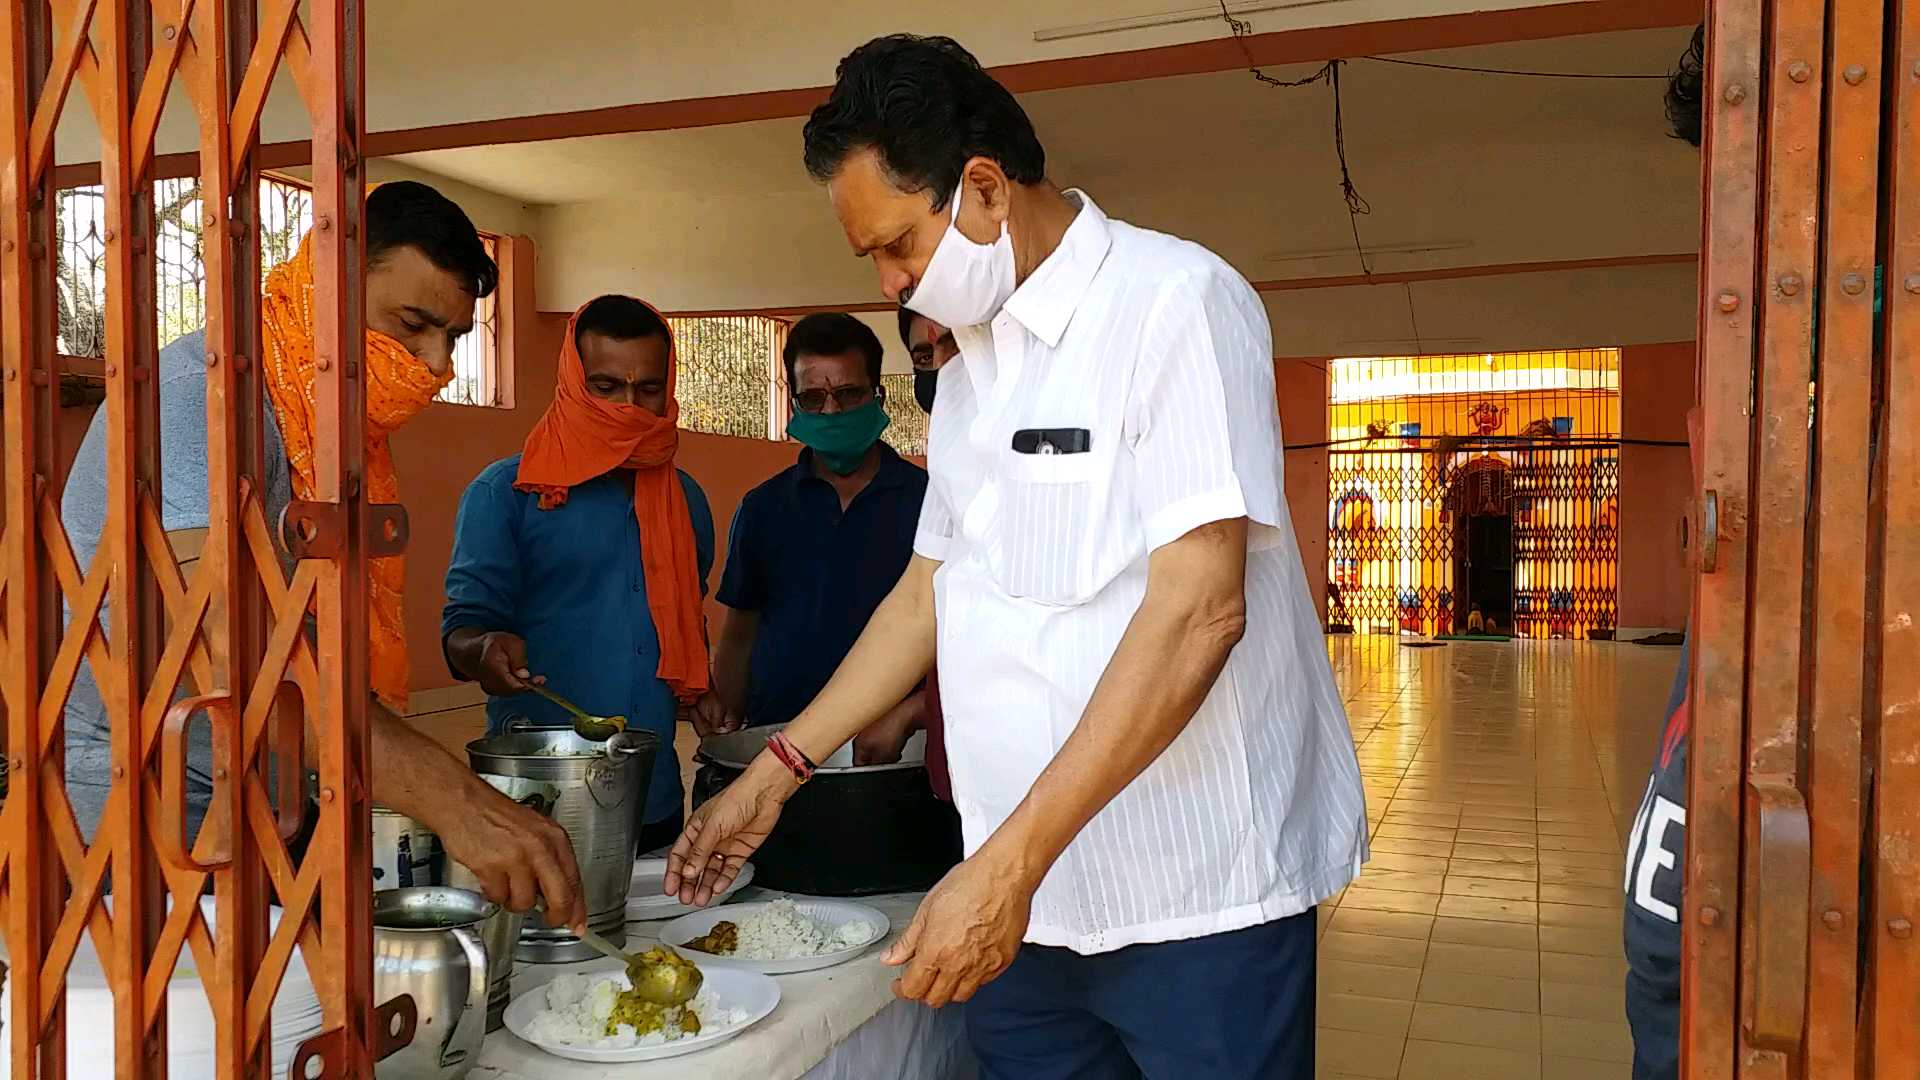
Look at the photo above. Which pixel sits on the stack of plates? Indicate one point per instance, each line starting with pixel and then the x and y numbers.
pixel 645 901
pixel 296 1013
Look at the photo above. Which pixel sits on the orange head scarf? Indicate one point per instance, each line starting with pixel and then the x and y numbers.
pixel 398 387
pixel 581 437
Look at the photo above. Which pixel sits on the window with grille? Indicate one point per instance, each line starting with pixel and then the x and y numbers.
pixel 906 424
pixel 286 213
pixel 730 380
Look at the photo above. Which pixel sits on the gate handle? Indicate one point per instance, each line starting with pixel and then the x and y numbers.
pixel 171 833
pixel 1778 884
pixel 1709 531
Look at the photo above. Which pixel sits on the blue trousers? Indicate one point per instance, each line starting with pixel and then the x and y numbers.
pixel 1233 1006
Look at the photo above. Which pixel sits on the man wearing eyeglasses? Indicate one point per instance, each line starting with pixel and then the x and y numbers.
pixel 814 549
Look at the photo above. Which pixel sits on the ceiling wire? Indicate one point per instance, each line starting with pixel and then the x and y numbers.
pixel 1328 73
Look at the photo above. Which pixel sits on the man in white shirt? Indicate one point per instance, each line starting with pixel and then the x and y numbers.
pixel 1149 756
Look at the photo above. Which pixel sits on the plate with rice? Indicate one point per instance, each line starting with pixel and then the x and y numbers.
pixel 778 937
pixel 583 1016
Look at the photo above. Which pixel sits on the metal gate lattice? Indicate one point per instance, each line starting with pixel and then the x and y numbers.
pixel 223 639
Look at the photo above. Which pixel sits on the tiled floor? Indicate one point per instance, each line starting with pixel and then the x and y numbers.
pixel 1483 940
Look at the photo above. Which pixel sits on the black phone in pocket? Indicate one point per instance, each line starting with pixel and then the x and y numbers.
pixel 1052 441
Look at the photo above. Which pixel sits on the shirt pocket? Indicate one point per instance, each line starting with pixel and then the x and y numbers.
pixel 1046 526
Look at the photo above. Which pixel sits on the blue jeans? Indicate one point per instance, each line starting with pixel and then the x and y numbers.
pixel 1233 1006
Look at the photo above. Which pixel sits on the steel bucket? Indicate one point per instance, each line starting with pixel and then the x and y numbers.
pixel 598 789
pixel 427 944
pixel 401 842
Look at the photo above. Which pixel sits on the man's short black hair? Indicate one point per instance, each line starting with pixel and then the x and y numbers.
pixel 907 315
pixel 832 333
pixel 621 318
pixel 926 107
pixel 406 213
pixel 1684 89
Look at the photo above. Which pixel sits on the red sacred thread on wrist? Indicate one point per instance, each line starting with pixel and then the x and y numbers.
pixel 789 755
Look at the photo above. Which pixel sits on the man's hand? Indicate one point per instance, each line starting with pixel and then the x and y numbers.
pixel 709 716
pixel 497 660
pixel 966 931
pixel 518 855
pixel 725 830
pixel 882 741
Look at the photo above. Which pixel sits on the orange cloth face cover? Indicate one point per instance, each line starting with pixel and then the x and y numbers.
pixel 398 386
pixel 581 437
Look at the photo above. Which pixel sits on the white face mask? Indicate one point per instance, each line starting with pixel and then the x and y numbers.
pixel 965 283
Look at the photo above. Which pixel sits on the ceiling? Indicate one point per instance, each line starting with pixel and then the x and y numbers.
pixel 1459 170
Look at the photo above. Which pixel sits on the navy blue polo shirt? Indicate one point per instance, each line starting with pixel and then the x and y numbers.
pixel 815 574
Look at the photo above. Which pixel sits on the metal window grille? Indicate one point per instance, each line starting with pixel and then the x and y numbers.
pixel 907 425
pixel 1464 481
pixel 286 213
pixel 729 380
pixel 476 356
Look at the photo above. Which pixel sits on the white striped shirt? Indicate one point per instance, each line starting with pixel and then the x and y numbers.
pixel 1160 352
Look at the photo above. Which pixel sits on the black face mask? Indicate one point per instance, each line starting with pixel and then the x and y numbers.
pixel 924 385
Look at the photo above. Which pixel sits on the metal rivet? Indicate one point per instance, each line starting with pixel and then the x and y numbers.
pixel 1832 918
pixel 1798 71
pixel 112 370
pixel 1729 303
pixel 1853 284
pixel 119 772
pixel 219 772
pixel 1913 283
pixel 9 245
pixel 13 374
pixel 169 32
pixel 15 763
pixel 213 359
pixel 1855 74
pixel 1790 284
pixel 107 235
pixel 1734 94
pixel 1916 69
pixel 326 794
pixel 1709 916
pixel 322 362
pixel 324 223
pixel 1899 927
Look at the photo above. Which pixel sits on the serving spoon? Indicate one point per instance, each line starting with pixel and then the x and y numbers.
pixel 668 980
pixel 586 725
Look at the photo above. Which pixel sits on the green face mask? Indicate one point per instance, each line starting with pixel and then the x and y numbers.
pixel 840 439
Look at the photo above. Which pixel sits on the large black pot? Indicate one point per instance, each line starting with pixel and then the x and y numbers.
pixel 851 830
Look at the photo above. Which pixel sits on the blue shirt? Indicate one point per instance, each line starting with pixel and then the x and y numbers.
pixel 569 582
pixel 815 574
pixel 183 505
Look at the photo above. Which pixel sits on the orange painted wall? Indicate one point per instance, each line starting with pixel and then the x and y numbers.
pixel 1300 384
pixel 1656 390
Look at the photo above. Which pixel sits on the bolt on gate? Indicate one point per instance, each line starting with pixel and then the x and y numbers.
pixel 173 645
pixel 1802 882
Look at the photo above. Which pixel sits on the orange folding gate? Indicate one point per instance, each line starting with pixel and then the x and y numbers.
pixel 222 642
pixel 1804 790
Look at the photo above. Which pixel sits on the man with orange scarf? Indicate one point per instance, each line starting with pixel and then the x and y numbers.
pixel 425 269
pixel 582 561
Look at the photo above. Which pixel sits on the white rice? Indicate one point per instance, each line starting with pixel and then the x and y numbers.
pixel 780 932
pixel 578 1007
